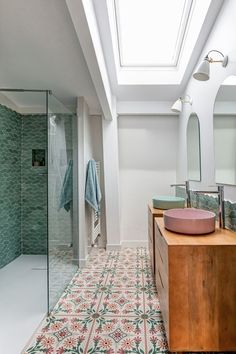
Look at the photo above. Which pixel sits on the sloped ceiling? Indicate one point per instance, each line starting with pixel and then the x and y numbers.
pixel 150 92
pixel 40 50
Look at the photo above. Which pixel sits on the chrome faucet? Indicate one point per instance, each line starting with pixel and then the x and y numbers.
pixel 221 210
pixel 187 190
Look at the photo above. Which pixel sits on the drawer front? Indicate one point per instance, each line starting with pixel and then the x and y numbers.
pixel 161 266
pixel 161 276
pixel 150 224
pixel 161 247
pixel 164 300
pixel 150 240
pixel 151 252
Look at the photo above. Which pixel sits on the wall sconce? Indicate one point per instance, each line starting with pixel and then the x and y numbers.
pixel 203 71
pixel 178 105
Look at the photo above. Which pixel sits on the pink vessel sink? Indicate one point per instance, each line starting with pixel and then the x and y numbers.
pixel 189 221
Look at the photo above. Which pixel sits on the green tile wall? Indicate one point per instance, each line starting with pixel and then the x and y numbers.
pixel 10 185
pixel 34 186
pixel 23 188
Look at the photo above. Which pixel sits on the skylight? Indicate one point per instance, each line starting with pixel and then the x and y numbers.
pixel 151 32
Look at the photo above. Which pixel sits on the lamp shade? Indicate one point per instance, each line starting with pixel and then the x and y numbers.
pixel 177 106
pixel 203 71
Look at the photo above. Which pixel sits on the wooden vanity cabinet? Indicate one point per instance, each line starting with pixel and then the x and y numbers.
pixel 196 283
pixel 152 213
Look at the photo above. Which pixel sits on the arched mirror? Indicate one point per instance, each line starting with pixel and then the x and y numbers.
pixel 193 148
pixel 225 132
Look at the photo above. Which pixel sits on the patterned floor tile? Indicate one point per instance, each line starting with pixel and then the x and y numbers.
pixel 111 306
pixel 126 278
pixel 96 264
pixel 122 302
pixel 117 336
pixel 61 335
pixel 77 302
pixel 90 279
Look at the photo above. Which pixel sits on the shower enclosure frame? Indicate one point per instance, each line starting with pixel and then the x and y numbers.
pixel 47 92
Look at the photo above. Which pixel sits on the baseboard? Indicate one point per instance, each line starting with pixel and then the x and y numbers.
pixel 83 262
pixel 133 244
pixel 111 247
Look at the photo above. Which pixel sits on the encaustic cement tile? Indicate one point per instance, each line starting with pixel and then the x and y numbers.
pixel 61 335
pixel 90 279
pixel 122 303
pixel 111 309
pixel 77 302
pixel 122 336
pixel 101 335
pixel 126 278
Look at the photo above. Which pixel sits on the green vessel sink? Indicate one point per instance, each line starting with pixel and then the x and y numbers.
pixel 168 202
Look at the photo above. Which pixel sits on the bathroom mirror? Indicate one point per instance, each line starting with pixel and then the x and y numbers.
pixel 225 132
pixel 193 148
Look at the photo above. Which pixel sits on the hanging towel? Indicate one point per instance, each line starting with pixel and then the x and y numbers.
pixel 92 189
pixel 66 191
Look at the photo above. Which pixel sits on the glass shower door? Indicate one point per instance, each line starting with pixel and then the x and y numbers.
pixel 62 209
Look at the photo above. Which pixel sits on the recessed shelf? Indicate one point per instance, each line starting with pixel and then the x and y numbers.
pixel 38 157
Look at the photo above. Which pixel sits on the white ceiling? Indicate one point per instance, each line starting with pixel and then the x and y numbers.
pixel 40 50
pixel 150 33
pixel 152 85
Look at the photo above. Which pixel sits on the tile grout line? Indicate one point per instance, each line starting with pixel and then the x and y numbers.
pixel 144 310
pixel 122 268
pixel 94 320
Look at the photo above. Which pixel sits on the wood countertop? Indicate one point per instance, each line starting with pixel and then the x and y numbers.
pixel 218 238
pixel 155 211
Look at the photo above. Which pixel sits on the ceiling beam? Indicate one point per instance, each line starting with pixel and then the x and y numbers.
pixel 85 24
pixel 144 108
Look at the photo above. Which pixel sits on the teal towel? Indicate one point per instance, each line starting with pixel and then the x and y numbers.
pixel 92 189
pixel 67 188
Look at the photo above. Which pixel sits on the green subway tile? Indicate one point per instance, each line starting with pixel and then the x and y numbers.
pixel 10 185
pixel 33 186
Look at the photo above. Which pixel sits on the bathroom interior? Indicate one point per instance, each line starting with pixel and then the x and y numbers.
pixel 151 268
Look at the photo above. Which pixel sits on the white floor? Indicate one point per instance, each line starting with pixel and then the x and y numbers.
pixel 23 301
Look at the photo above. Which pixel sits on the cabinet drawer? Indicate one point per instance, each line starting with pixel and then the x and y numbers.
pixel 161 247
pixel 150 244
pixel 163 295
pixel 161 266
pixel 150 225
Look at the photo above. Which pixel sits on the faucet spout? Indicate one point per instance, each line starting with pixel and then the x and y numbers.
pixel 221 209
pixel 187 191
pixel 221 206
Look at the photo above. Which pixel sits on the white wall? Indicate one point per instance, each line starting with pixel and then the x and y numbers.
pixel 111 182
pixel 203 94
pixel 147 159
pixel 225 147
pixel 89 146
pixel 94 150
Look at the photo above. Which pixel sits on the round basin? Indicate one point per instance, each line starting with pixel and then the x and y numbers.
pixel 189 221
pixel 168 202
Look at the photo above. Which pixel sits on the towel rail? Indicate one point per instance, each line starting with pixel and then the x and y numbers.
pixel 96 225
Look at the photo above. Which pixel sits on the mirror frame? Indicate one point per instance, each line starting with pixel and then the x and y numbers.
pixel 215 100
pixel 199 148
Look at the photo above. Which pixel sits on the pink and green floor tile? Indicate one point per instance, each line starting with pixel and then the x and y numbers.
pixel 111 306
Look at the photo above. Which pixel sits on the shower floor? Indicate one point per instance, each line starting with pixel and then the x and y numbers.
pixel 23 301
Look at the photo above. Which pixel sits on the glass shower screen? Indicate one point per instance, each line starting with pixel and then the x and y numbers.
pixel 62 209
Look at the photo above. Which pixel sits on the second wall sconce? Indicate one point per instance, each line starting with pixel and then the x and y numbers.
pixel 203 71
pixel 178 105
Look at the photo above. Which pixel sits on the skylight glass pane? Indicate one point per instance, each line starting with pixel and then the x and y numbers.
pixel 150 32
